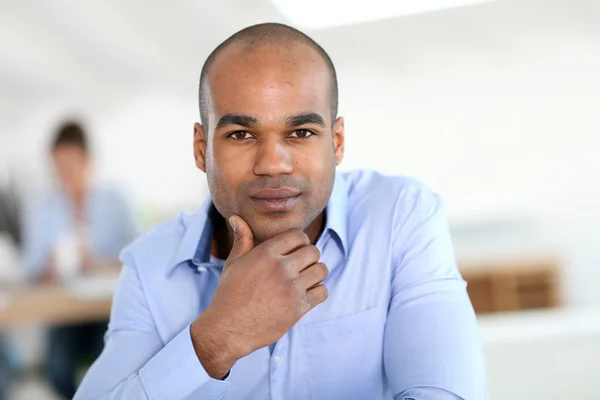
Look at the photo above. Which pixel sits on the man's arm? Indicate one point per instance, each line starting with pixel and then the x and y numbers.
pixel 432 348
pixel 136 364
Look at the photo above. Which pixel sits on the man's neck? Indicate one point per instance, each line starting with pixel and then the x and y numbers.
pixel 313 231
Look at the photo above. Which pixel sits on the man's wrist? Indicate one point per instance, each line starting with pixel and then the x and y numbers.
pixel 212 346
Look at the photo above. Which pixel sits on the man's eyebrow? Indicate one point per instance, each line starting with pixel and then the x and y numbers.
pixel 235 119
pixel 304 118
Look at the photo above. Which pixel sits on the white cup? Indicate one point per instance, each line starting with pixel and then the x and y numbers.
pixel 68 257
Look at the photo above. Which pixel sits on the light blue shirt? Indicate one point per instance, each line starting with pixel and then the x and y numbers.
pixel 398 323
pixel 107 218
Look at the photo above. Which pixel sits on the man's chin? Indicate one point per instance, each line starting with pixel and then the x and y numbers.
pixel 265 230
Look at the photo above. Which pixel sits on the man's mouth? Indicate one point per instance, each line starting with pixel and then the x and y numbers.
pixel 275 199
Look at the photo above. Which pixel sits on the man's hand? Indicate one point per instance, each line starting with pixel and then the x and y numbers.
pixel 263 292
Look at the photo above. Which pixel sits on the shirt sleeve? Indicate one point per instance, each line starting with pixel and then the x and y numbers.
pixel 136 364
pixel 36 245
pixel 432 345
pixel 126 227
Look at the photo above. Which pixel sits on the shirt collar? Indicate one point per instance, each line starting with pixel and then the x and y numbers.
pixel 198 231
pixel 336 213
pixel 195 244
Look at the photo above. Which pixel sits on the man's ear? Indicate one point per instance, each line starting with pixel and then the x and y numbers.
pixel 338 140
pixel 200 146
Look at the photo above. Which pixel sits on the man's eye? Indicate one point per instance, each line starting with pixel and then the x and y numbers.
pixel 301 134
pixel 240 135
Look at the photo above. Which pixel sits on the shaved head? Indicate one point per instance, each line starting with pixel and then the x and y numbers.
pixel 258 36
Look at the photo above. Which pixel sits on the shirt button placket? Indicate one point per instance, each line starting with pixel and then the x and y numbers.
pixel 277 369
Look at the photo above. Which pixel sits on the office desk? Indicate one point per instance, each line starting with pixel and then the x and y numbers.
pixel 55 304
pixel 548 354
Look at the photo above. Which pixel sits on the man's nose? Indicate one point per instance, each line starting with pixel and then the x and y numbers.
pixel 273 158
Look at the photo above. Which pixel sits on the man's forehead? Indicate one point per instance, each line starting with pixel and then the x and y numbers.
pixel 264 54
pixel 238 64
pixel 268 83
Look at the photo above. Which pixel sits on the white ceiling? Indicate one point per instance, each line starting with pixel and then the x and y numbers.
pixel 99 51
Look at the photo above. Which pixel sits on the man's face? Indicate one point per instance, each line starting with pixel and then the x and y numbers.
pixel 271 147
pixel 71 166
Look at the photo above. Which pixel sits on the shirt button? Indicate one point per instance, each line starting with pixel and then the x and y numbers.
pixel 277 359
pixel 201 268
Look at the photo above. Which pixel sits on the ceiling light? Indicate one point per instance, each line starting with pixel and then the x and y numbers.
pixel 318 14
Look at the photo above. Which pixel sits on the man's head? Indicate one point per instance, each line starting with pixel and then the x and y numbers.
pixel 270 139
pixel 71 158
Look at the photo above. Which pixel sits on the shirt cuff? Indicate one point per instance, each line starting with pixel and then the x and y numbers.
pixel 429 393
pixel 176 373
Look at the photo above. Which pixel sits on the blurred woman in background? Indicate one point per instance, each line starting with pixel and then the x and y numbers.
pixel 77 228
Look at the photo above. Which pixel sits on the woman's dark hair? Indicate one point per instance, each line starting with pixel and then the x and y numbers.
pixel 70 134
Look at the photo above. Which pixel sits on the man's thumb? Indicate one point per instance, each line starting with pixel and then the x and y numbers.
pixel 243 239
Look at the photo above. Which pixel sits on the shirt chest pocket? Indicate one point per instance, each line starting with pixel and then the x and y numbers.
pixel 344 356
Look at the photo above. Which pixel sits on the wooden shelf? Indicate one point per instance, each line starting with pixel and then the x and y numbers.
pixel 511 284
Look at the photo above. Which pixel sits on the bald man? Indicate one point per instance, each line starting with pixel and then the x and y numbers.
pixel 292 281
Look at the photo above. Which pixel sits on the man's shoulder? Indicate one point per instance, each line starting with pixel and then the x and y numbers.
pixel 374 190
pixel 390 208
pixel 159 244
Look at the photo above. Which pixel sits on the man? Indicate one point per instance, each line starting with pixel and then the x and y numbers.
pixel 79 228
pixel 292 281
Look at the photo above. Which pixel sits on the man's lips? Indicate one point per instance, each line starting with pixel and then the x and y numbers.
pixel 275 193
pixel 275 200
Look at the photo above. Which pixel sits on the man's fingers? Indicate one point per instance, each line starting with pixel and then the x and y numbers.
pixel 303 258
pixel 316 296
pixel 288 241
pixel 313 275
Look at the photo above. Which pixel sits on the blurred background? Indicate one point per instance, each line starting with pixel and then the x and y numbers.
pixel 494 104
